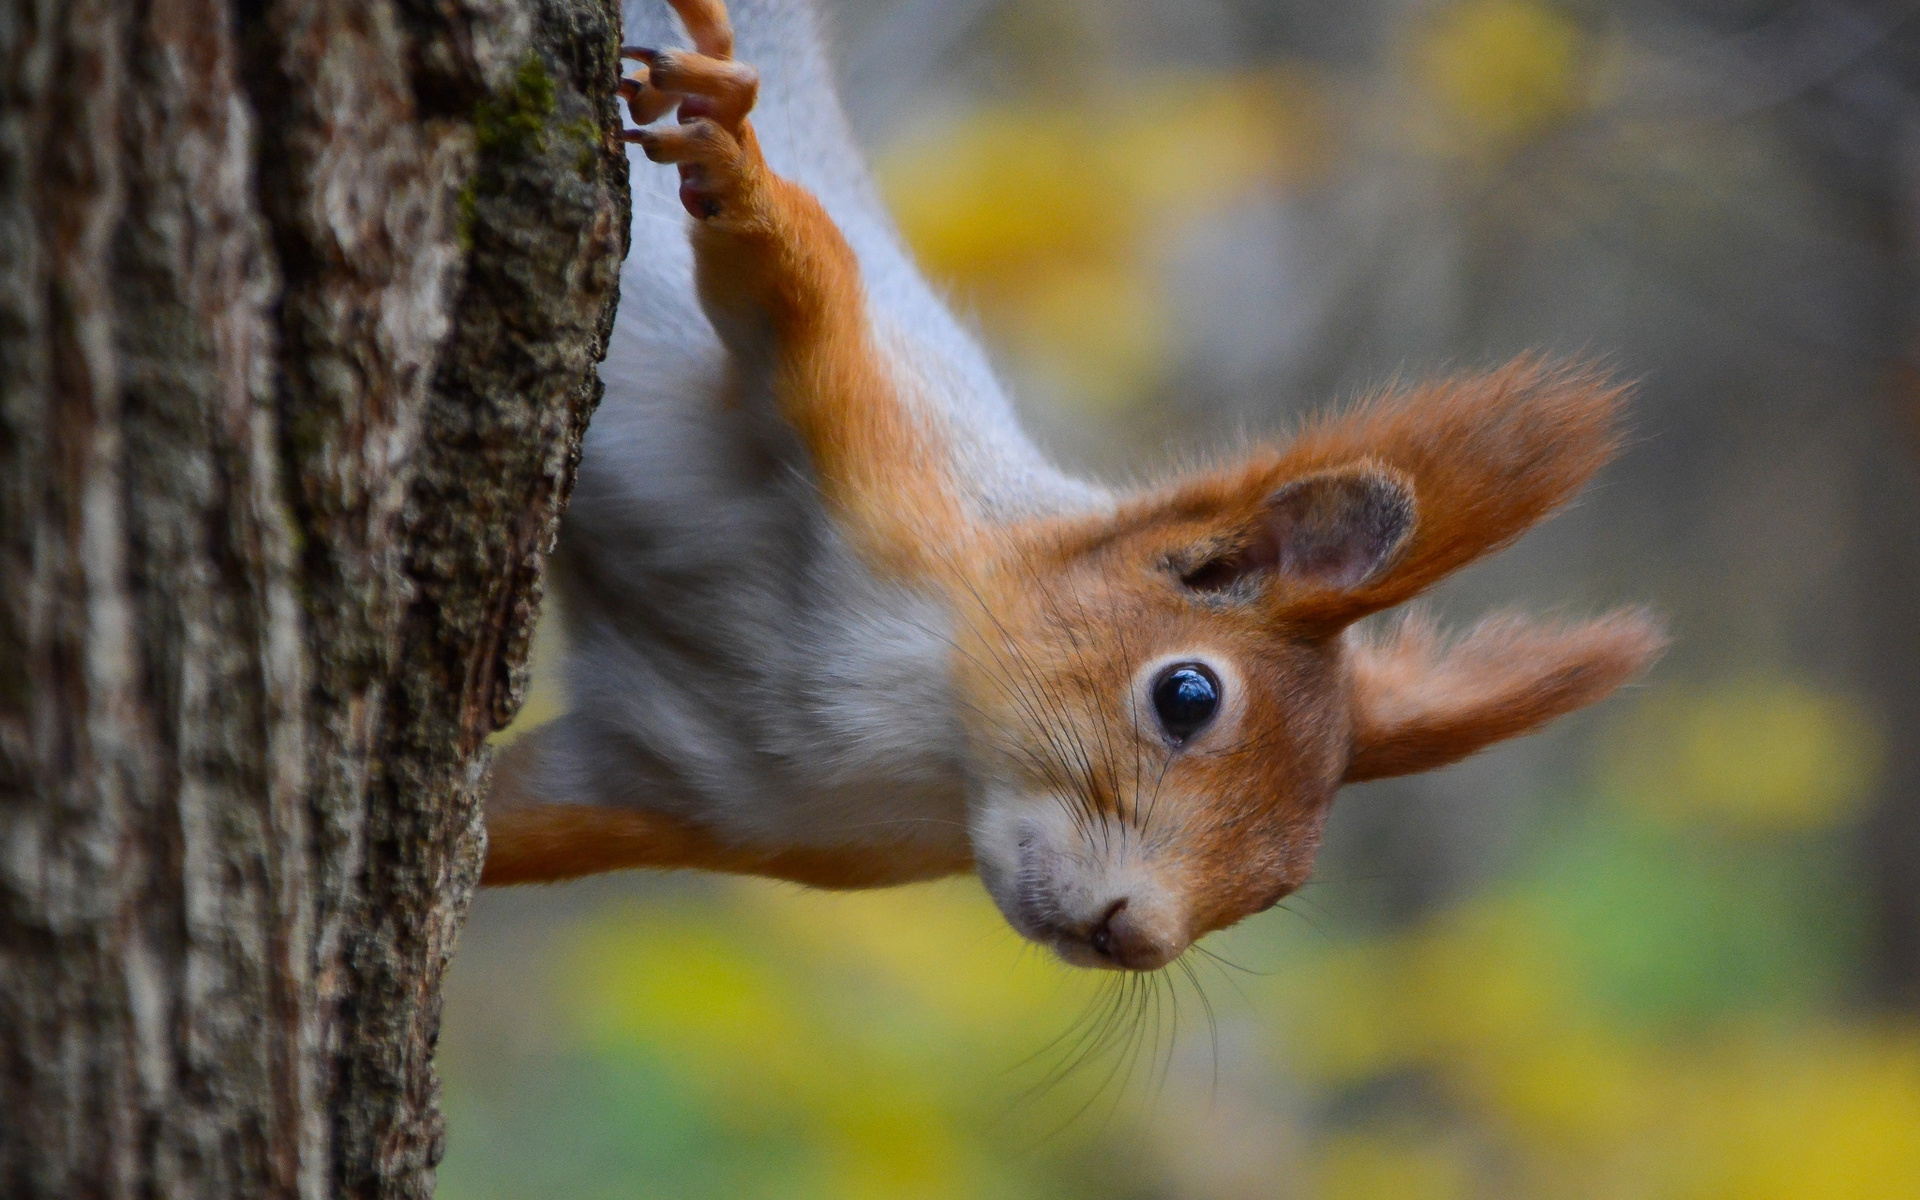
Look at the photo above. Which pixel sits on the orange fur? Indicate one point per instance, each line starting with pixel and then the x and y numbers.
pixel 879 465
pixel 1487 457
pixel 776 274
pixel 548 842
pixel 1421 704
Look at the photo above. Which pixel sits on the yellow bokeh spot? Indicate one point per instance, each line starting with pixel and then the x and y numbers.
pixel 983 202
pixel 880 1025
pixel 1372 1166
pixel 1047 219
pixel 761 1042
pixel 1502 70
pixel 1479 1004
pixel 1578 1088
pixel 1098 331
pixel 943 944
pixel 1759 754
pixel 1822 1114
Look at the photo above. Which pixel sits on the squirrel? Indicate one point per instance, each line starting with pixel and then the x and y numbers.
pixel 832 618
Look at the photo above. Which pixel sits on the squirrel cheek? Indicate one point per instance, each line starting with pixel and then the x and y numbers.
pixel 1019 844
pixel 1009 827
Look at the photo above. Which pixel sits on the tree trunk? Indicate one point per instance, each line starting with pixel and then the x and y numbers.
pixel 299 306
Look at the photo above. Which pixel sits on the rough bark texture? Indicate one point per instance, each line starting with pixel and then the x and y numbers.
pixel 545 217
pixel 299 303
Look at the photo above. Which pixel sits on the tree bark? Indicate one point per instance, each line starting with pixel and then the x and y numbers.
pixel 299 306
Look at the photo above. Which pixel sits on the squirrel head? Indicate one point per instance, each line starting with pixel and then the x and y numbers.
pixel 1161 703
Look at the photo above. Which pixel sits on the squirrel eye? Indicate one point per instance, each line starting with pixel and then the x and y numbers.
pixel 1185 697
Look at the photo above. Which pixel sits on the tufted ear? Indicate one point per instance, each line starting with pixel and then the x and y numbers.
pixel 1367 509
pixel 1330 530
pixel 1420 703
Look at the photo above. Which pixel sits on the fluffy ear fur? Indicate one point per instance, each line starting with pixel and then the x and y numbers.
pixel 1470 463
pixel 1420 703
pixel 1487 457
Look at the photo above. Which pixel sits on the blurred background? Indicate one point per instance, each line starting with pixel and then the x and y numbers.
pixel 1669 949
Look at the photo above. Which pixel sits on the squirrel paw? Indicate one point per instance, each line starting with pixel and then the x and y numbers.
pixel 712 145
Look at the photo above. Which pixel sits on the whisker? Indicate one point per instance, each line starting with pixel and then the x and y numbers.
pixel 1071 729
pixel 1213 1025
pixel 1080 1025
pixel 1317 931
pixel 1055 722
pixel 1222 960
pixel 1030 707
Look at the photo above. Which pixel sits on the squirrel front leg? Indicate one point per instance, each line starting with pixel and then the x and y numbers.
pixel 783 289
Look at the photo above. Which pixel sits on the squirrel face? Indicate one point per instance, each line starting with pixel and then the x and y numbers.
pixel 1159 736
pixel 1117 843
pixel 1119 810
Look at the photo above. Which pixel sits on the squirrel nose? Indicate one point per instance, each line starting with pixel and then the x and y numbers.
pixel 1126 940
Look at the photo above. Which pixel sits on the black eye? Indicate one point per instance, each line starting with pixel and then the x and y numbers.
pixel 1185 696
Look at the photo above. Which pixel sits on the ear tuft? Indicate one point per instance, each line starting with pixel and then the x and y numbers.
pixel 1420 703
pixel 1333 530
pixel 1488 456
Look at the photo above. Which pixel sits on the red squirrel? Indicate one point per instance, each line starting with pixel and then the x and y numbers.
pixel 833 619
